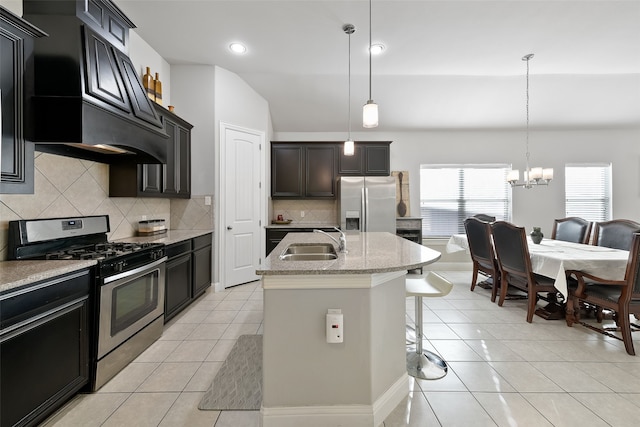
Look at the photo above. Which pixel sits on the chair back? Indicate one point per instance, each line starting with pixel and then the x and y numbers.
pixel 485 217
pixel 632 274
pixel 571 229
pixel 617 234
pixel 479 237
pixel 512 251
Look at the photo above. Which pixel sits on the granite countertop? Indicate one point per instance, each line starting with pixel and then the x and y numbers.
pixel 301 225
pixel 373 252
pixel 168 238
pixel 25 272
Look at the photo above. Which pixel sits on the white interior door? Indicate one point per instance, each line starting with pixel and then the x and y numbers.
pixel 241 207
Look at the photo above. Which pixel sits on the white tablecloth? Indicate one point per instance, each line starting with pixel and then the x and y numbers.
pixel 552 258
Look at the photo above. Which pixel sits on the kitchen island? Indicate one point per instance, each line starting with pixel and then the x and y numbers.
pixel 359 381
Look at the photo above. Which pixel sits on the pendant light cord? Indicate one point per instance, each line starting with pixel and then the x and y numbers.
pixel 349 97
pixel 370 98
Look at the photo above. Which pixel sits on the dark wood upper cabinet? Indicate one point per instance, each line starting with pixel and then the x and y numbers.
pixel 170 180
pixel 369 159
pixel 16 83
pixel 309 170
pixel 303 170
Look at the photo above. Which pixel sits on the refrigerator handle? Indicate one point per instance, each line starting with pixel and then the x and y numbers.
pixel 365 208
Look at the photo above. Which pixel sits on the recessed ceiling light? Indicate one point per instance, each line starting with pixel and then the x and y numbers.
pixel 376 49
pixel 237 48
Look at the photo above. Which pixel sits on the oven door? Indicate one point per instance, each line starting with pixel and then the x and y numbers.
pixel 129 301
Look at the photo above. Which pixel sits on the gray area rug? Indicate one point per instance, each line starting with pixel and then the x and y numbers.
pixel 238 384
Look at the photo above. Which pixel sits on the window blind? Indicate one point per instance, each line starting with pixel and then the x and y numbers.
pixel 451 193
pixel 588 191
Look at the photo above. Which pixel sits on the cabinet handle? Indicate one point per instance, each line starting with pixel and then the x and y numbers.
pixel 229 227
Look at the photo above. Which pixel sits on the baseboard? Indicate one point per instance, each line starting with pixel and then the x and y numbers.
pixel 339 415
pixel 218 287
pixel 449 266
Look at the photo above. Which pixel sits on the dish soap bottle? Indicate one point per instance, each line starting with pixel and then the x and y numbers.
pixel 147 82
pixel 158 89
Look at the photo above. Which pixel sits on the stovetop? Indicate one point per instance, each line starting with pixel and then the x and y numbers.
pixel 101 251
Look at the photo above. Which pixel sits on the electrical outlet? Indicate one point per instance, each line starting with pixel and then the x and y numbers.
pixel 301 214
pixel 207 200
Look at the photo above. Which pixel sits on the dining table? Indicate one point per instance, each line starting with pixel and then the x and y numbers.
pixel 553 258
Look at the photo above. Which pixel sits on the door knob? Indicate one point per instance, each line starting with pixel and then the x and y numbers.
pixel 229 227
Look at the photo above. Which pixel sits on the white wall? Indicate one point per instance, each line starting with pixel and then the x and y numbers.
pixel 193 97
pixel 533 207
pixel 143 55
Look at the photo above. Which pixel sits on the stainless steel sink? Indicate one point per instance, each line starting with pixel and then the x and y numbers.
pixel 309 252
pixel 308 257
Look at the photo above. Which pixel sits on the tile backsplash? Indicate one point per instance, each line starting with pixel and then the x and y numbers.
pixel 65 186
pixel 314 211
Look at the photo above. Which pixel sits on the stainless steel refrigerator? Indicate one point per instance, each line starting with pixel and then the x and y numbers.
pixel 367 203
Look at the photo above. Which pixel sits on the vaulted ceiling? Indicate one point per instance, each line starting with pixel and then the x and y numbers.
pixel 449 64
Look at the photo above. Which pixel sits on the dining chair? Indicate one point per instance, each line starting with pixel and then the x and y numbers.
pixel 616 233
pixel 485 217
pixel 571 229
pixel 514 261
pixel 482 254
pixel 621 296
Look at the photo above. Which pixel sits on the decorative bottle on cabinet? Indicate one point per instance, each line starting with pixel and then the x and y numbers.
pixel 147 82
pixel 158 89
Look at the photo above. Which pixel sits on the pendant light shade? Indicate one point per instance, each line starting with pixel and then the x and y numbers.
pixel 370 109
pixel 349 148
pixel 370 114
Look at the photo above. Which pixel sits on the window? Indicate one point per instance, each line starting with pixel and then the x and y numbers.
pixel 587 190
pixel 451 193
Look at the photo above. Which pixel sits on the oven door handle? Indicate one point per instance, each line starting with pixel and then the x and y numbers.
pixel 138 270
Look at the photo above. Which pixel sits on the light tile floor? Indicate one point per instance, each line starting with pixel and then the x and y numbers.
pixel 503 371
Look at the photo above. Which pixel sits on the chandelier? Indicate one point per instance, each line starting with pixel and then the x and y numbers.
pixel 532 176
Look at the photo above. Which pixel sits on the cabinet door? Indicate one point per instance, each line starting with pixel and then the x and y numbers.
pixel 178 285
pixel 376 160
pixel 184 162
pixel 286 170
pixel 150 179
pixel 16 47
pixel 351 165
pixel 320 171
pixel 170 177
pixel 43 364
pixel 201 270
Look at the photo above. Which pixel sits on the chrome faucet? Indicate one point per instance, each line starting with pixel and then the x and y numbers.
pixel 342 243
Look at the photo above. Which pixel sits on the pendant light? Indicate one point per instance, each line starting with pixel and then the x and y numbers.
pixel 370 109
pixel 349 146
pixel 532 176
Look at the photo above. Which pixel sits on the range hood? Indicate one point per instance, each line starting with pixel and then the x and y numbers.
pixel 88 101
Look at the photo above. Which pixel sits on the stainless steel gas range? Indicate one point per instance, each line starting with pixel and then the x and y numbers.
pixel 128 297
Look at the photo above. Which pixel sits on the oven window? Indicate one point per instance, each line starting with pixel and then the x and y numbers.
pixel 133 300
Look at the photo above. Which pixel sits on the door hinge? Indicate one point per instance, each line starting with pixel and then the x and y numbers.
pixel 259 184
pixel 259 223
pixel 260 147
pixel 259 261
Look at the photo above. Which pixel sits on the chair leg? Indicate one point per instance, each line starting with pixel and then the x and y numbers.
pixel 496 285
pixel 474 277
pixel 421 363
pixel 625 329
pixel 569 313
pixel 503 290
pixel 531 305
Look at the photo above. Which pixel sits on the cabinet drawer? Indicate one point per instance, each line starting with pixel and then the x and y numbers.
pixel 202 241
pixel 178 249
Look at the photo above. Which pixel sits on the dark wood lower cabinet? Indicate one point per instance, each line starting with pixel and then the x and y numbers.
pixel 178 287
pixel 44 358
pixel 188 273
